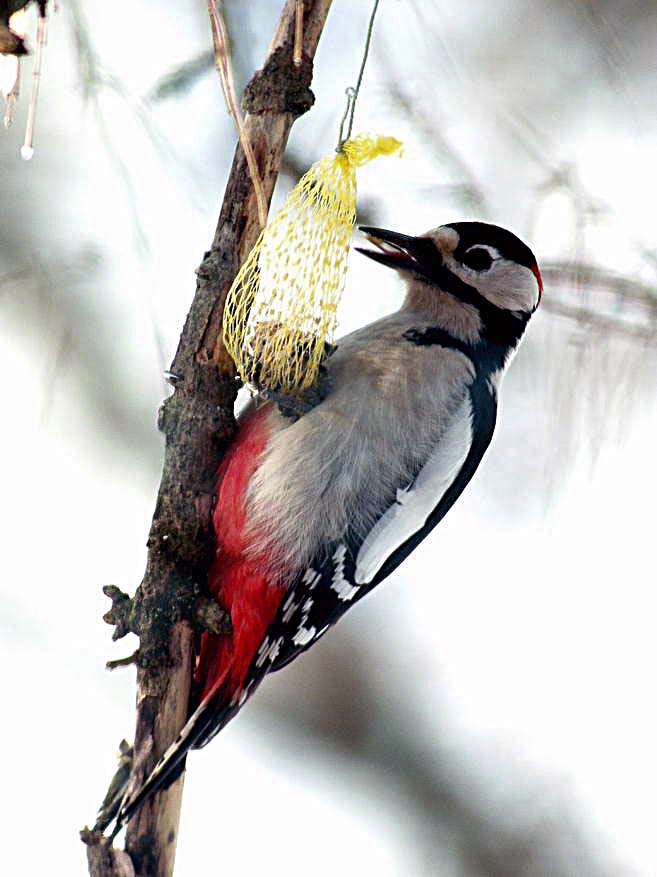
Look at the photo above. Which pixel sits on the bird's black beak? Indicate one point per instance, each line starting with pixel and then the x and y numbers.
pixel 400 251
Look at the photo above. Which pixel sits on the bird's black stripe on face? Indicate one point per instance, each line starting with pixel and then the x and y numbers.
pixel 431 335
pixel 501 329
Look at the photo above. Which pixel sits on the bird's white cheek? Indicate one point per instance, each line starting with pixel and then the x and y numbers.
pixel 512 287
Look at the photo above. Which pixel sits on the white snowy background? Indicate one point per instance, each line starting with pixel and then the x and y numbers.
pixel 492 708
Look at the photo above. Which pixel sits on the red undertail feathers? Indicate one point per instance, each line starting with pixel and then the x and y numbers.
pixel 239 584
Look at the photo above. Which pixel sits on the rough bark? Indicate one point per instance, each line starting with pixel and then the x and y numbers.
pixel 197 421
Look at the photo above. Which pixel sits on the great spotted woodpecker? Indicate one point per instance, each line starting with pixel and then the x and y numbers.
pixel 312 513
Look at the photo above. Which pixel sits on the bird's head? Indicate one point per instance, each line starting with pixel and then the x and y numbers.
pixel 467 259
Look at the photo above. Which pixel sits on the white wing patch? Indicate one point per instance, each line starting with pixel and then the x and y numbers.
pixel 268 651
pixel 414 504
pixel 343 588
pixel 311 577
pixel 305 634
pixel 289 608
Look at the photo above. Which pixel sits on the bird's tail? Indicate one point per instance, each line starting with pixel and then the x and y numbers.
pixel 209 717
pixel 222 699
pixel 243 590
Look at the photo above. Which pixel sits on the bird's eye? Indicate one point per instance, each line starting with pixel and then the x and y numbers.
pixel 478 259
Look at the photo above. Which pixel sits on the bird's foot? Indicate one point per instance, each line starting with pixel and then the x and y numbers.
pixel 295 406
pixel 210 617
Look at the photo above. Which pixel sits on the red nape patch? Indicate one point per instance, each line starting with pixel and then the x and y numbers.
pixel 539 280
pixel 239 585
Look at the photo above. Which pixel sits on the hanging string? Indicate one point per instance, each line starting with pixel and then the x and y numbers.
pixel 352 93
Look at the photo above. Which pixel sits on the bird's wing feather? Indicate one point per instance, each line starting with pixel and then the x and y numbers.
pixel 414 503
pixel 483 406
pixel 351 568
pixel 347 570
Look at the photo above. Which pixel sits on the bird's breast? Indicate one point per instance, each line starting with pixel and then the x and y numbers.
pixel 340 465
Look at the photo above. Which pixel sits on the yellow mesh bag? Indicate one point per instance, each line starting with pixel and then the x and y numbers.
pixel 281 309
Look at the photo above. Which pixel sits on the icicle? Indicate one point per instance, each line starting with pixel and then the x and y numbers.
pixel 27 149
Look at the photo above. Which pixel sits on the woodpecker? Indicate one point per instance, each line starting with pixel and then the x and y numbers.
pixel 313 512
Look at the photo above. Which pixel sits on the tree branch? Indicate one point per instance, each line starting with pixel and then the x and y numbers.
pixel 198 424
